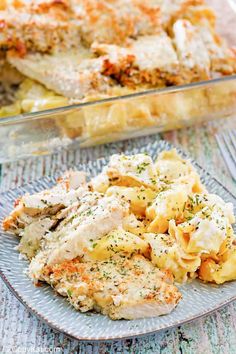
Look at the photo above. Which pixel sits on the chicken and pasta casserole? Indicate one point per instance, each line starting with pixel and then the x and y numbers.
pixel 119 243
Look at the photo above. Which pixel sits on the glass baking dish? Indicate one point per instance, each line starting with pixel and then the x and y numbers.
pixel 131 115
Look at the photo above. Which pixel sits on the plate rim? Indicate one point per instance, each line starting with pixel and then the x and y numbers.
pixel 50 178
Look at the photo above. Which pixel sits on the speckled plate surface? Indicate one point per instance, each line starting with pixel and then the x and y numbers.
pixel 198 299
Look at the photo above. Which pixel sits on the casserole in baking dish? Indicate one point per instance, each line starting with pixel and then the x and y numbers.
pixel 66 54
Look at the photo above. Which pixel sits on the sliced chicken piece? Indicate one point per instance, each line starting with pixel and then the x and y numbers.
pixel 71 74
pixel 201 51
pixel 109 21
pixel 50 201
pixel 33 235
pixel 17 220
pixel 40 228
pixel 80 233
pixel 44 26
pixel 47 202
pixel 149 60
pixel 119 287
pixel 191 50
pixel 39 26
pixel 199 46
pixel 77 209
pixel 88 226
pixel 223 58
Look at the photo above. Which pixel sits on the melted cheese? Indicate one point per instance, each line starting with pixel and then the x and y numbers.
pixel 134 170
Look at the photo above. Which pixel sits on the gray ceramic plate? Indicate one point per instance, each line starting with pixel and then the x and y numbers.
pixel 198 299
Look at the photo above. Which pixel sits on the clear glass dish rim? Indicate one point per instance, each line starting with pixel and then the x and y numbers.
pixel 20 118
